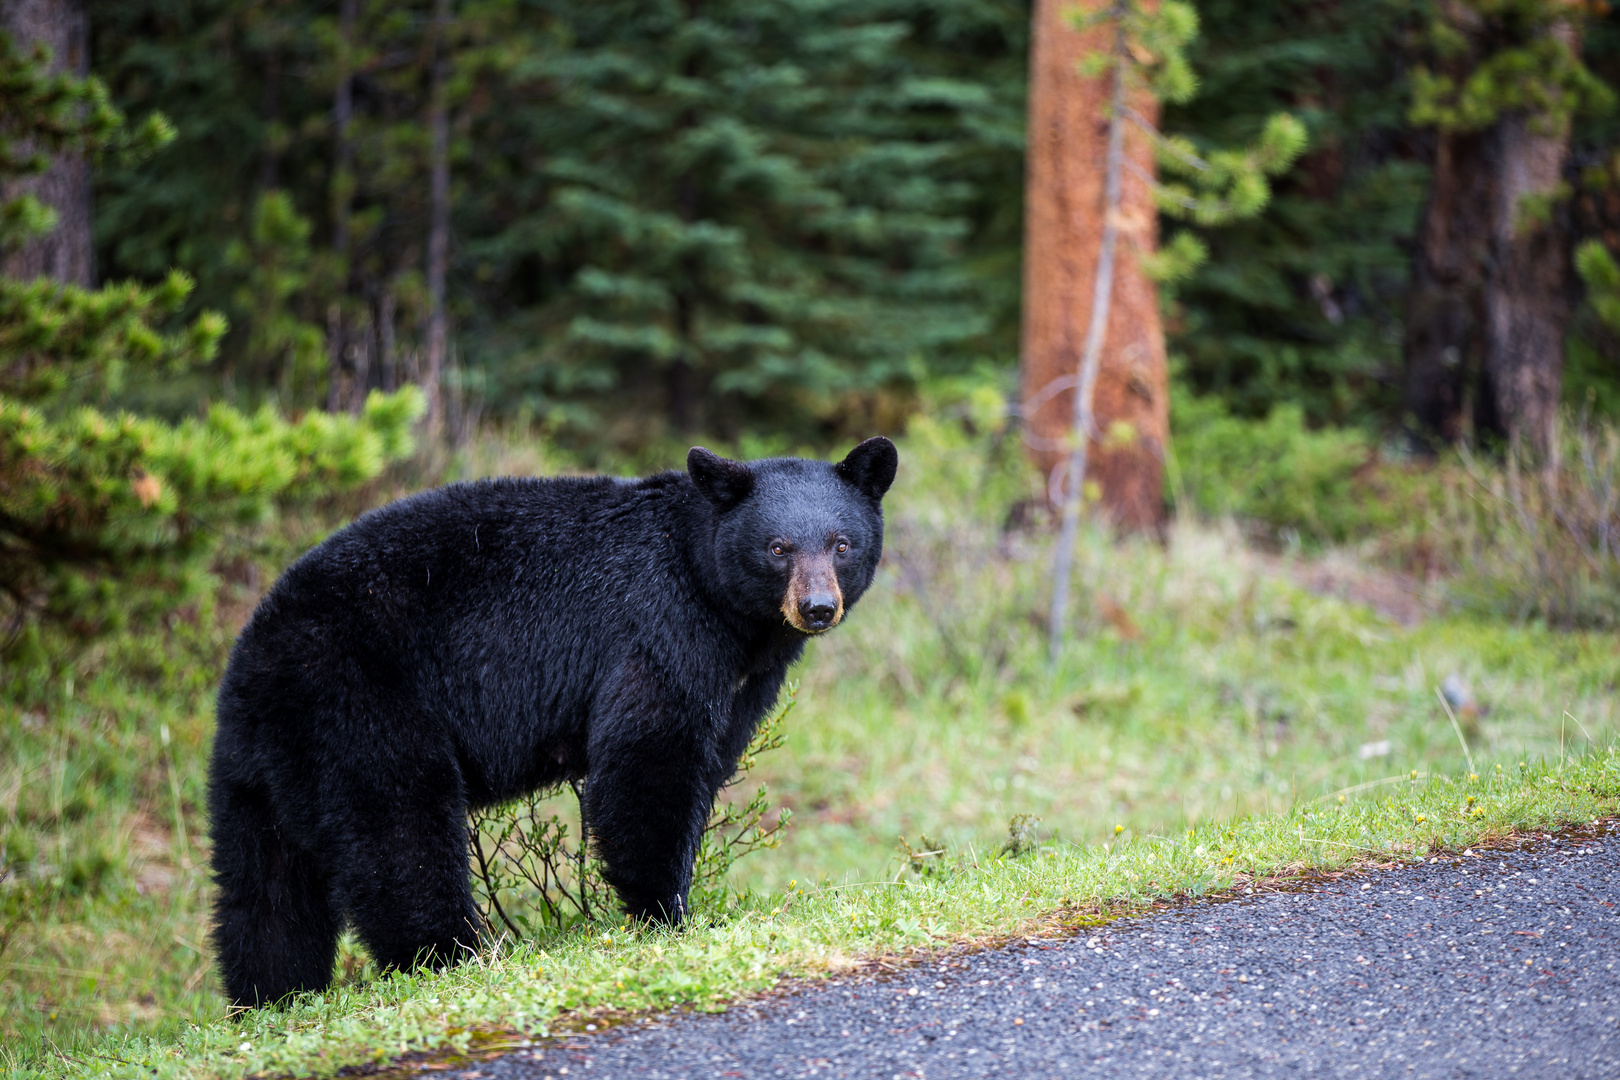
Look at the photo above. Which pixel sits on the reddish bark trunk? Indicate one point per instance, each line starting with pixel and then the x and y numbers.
pixel 1062 234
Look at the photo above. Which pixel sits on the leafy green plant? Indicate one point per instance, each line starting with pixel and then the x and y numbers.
pixel 1601 277
pixel 41 115
pixel 738 831
pixel 1530 63
pixel 928 860
pixel 1276 471
pixel 1021 839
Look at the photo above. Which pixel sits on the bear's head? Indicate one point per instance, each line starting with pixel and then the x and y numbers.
pixel 794 539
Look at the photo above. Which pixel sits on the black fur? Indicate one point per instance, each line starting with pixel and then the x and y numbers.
pixel 479 641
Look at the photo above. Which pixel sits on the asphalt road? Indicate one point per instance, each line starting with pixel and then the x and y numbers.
pixel 1499 964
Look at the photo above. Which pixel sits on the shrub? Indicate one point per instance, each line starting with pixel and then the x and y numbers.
pixel 1320 484
pixel 107 517
pixel 530 881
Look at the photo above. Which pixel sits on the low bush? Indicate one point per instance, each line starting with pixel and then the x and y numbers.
pixel 1514 534
pixel 532 884
pixel 1319 486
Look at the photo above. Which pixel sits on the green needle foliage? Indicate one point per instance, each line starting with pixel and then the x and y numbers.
pixel 42 115
pixel 1209 187
pixel 739 209
pixel 1497 56
pixel 1602 279
pixel 744 214
pixel 1303 304
pixel 107 516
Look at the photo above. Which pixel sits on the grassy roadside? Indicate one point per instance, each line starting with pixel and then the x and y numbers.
pixel 815 931
pixel 1207 686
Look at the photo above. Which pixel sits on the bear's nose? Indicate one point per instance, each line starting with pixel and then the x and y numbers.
pixel 817 610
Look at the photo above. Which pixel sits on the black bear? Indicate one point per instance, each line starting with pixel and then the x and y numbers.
pixel 479 641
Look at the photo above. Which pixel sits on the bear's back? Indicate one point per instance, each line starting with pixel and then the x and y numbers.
pixel 437 551
pixel 494 605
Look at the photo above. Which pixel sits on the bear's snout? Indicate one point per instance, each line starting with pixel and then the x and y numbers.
pixel 814 602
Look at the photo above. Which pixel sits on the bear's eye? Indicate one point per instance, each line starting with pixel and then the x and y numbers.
pixel 779 549
pixel 843 545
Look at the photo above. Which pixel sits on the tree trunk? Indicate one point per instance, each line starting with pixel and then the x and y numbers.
pixel 270 109
pixel 1527 303
pixel 341 187
pixel 1444 338
pixel 1063 227
pixel 1490 302
pixel 385 339
pixel 65 254
pixel 438 255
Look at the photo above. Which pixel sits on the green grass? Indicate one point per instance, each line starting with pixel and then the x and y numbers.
pixel 1206 703
pixel 817 930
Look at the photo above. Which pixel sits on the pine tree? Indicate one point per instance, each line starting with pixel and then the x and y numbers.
pixel 62 183
pixel 866 201
pixel 731 210
pixel 108 516
pixel 1490 304
pixel 238 196
pixel 1303 304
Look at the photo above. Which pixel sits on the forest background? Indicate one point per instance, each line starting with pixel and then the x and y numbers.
pixel 747 216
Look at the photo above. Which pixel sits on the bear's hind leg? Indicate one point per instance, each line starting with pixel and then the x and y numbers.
pixel 403 878
pixel 275 932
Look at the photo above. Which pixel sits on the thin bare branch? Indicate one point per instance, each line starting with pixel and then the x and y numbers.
pixel 1102 295
pixel 1163 141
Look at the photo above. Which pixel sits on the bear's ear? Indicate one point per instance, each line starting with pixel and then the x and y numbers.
pixel 723 482
pixel 870 467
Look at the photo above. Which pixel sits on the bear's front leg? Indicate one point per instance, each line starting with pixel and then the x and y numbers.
pixel 654 772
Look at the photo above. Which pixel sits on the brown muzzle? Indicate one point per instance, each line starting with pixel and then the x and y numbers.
pixel 814 603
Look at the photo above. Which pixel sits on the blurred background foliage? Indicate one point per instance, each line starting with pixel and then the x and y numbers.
pixel 755 215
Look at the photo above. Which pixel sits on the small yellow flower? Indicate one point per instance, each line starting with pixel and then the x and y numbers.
pixel 1118 829
pixel 1414 774
pixel 1421 819
pixel 1470 800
